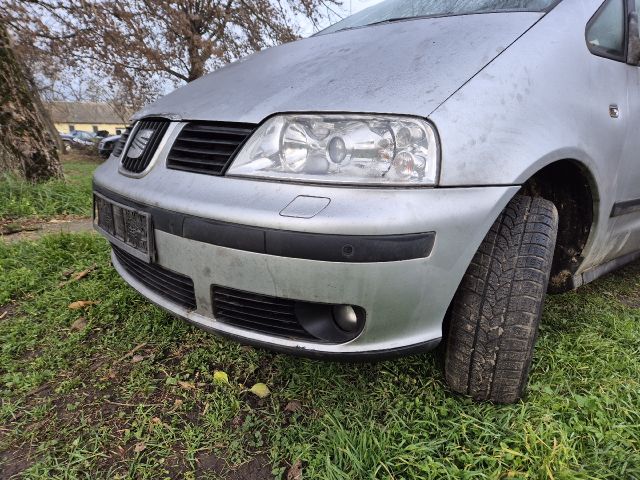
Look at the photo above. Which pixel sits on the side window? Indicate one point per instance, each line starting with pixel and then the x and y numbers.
pixel 606 31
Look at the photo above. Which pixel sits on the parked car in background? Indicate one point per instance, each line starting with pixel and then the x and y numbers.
pixel 78 138
pixel 416 172
pixel 106 145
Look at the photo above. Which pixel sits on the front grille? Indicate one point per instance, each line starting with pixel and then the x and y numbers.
pixel 260 313
pixel 207 147
pixel 117 149
pixel 173 286
pixel 141 148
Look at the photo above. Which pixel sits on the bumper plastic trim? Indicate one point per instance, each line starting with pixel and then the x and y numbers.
pixel 284 243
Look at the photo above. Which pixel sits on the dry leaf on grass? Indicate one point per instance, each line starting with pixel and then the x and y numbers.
pixel 260 390
pixel 67 273
pixel 186 385
pixel 78 275
pixel 295 472
pixel 293 406
pixel 177 403
pixel 133 350
pixel 137 358
pixel 155 421
pixel 237 421
pixel 79 325
pixel 139 447
pixel 82 304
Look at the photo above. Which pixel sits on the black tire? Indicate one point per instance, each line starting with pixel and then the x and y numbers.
pixel 497 308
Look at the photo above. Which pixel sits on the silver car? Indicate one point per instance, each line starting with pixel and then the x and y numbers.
pixel 421 171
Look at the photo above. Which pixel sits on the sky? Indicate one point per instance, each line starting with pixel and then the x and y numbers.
pixel 357 5
pixel 348 7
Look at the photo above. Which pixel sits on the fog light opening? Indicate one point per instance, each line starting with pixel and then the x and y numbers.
pixel 336 323
pixel 345 317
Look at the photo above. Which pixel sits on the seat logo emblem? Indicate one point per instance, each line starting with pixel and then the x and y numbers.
pixel 139 143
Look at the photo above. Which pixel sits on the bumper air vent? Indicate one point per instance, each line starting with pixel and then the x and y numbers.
pixel 283 317
pixel 173 286
pixel 146 138
pixel 260 313
pixel 207 147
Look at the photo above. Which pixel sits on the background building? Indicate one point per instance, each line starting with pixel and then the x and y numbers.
pixel 88 117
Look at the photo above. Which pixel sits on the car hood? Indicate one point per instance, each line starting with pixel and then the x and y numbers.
pixel 406 67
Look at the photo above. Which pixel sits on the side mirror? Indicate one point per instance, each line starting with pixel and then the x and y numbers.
pixel 633 48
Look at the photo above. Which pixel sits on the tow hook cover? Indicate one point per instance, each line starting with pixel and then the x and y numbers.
pixel 305 206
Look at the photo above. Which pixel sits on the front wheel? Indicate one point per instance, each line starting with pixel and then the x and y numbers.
pixel 497 308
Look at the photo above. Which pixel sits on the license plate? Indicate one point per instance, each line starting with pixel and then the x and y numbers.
pixel 126 227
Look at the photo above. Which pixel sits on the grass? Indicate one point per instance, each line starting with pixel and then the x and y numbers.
pixel 71 196
pixel 80 403
pixel 119 389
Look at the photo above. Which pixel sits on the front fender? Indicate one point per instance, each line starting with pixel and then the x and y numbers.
pixel 544 99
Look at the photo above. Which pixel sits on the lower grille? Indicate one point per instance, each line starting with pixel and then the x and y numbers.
pixel 260 313
pixel 173 286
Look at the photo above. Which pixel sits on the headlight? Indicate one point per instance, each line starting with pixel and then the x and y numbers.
pixel 376 149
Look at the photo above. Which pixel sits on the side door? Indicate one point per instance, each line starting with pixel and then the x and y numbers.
pixel 628 199
pixel 608 36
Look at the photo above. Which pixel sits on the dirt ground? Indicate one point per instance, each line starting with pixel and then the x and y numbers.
pixel 34 229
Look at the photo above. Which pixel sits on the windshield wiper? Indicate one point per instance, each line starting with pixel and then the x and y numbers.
pixel 386 20
pixel 416 17
pixel 389 20
pixel 346 28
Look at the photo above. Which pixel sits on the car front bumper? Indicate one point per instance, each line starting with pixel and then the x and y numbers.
pixel 405 300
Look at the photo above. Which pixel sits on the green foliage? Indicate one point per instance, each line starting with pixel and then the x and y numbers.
pixel 84 404
pixel 71 196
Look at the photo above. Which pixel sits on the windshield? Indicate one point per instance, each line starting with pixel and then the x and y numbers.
pixel 394 10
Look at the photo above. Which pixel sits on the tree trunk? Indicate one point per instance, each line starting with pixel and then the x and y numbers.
pixel 44 113
pixel 27 147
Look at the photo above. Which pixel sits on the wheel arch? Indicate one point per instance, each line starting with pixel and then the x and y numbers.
pixel 572 187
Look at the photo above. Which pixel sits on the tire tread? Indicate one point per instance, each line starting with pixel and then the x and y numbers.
pixel 496 311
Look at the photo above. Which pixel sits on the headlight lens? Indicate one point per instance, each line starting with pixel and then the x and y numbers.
pixel 375 149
